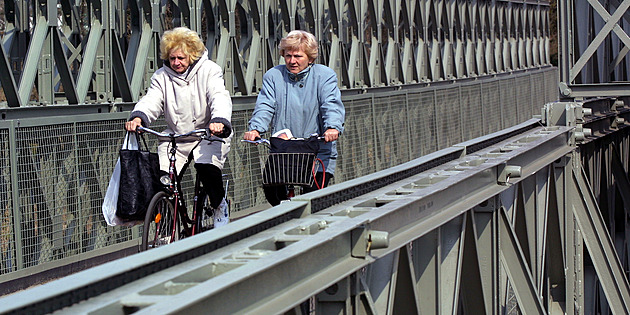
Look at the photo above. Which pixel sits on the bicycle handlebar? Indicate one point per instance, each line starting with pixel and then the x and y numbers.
pixel 196 134
pixel 257 141
pixel 260 140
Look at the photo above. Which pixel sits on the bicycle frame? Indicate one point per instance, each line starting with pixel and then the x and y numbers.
pixel 174 190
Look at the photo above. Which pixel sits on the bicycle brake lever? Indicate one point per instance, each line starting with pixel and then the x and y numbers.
pixel 212 138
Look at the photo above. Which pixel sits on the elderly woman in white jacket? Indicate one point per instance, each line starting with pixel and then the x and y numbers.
pixel 189 91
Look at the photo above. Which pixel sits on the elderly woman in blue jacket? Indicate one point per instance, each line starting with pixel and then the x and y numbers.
pixel 303 97
pixel 189 91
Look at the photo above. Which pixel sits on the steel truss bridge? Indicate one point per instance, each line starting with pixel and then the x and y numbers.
pixel 466 204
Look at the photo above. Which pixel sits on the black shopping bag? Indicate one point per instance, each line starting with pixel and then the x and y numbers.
pixel 139 181
pixel 308 145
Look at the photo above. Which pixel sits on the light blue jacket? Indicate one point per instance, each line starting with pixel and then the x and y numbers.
pixel 306 103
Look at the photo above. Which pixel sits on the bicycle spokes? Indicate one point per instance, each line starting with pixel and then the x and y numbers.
pixel 159 226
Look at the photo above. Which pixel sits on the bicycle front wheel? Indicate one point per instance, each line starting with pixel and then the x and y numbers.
pixel 160 226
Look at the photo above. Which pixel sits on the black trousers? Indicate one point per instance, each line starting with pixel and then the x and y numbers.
pixel 212 181
pixel 275 194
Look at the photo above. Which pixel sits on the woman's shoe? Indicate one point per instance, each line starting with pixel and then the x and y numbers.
pixel 221 214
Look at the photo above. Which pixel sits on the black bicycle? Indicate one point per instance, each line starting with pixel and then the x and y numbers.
pixel 167 219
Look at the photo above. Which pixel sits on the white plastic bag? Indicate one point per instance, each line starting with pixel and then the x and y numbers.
pixel 110 201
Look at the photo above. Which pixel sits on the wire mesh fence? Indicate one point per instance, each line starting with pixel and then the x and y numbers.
pixel 54 173
pixel 7 239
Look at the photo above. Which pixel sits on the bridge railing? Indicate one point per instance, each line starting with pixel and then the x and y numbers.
pixel 54 170
pixel 510 222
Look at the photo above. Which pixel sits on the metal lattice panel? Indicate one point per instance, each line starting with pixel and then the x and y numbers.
pixel 422 123
pixel 593 43
pixel 491 94
pixel 550 83
pixel 390 121
pixel 472 120
pixel 244 165
pixel 8 260
pixel 508 99
pixel 538 90
pixel 47 190
pixel 447 109
pixel 523 91
pixel 357 148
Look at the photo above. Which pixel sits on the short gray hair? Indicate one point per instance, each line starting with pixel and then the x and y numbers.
pixel 297 40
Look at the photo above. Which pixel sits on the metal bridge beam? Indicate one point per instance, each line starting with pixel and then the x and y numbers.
pixel 600 245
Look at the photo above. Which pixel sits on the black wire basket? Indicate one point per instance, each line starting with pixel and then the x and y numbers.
pixel 289 169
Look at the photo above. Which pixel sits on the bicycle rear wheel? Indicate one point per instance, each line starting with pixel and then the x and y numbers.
pixel 158 223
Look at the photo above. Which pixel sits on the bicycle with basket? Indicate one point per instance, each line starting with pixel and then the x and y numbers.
pixel 167 218
pixel 290 163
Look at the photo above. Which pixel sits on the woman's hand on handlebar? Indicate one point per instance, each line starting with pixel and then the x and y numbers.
pixel 251 135
pixel 216 128
pixel 133 124
pixel 331 135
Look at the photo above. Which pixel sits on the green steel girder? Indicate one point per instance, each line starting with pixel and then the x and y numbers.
pixel 89 59
pixel 27 80
pixel 521 280
pixel 600 245
pixel 7 81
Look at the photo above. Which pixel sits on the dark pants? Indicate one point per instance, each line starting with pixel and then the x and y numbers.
pixel 212 181
pixel 275 194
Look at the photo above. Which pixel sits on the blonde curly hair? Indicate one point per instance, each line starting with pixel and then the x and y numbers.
pixel 297 40
pixel 182 38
